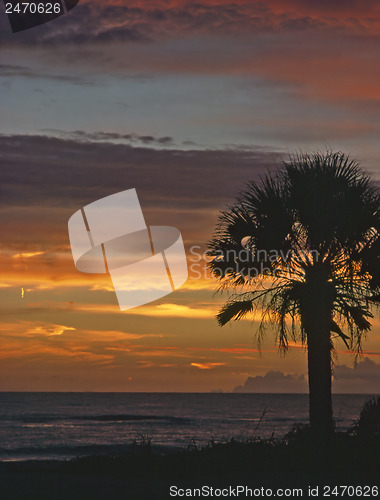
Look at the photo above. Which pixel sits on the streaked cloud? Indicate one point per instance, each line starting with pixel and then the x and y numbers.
pixel 49 330
pixel 26 255
pixel 175 310
pixel 206 366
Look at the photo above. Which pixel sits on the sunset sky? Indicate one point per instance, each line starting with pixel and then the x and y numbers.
pixel 186 102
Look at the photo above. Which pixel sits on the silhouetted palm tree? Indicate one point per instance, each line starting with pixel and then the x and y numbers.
pixel 301 248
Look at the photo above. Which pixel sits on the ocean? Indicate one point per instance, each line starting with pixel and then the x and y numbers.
pixel 36 426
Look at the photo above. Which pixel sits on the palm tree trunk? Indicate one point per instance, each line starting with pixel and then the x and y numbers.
pixel 316 319
pixel 320 373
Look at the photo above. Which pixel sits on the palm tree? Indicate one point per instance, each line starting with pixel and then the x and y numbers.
pixel 301 249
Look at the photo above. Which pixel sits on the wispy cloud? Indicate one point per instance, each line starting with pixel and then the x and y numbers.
pixel 11 71
pixel 206 366
pixel 27 255
pixel 49 330
pixel 112 137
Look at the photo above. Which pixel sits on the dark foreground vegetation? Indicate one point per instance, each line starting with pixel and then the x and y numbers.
pixel 142 473
pixel 295 461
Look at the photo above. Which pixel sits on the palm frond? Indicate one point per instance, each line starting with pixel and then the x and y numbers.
pixel 320 216
pixel 234 310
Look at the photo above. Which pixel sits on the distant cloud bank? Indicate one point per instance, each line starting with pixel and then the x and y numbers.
pixel 364 378
pixel 274 382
